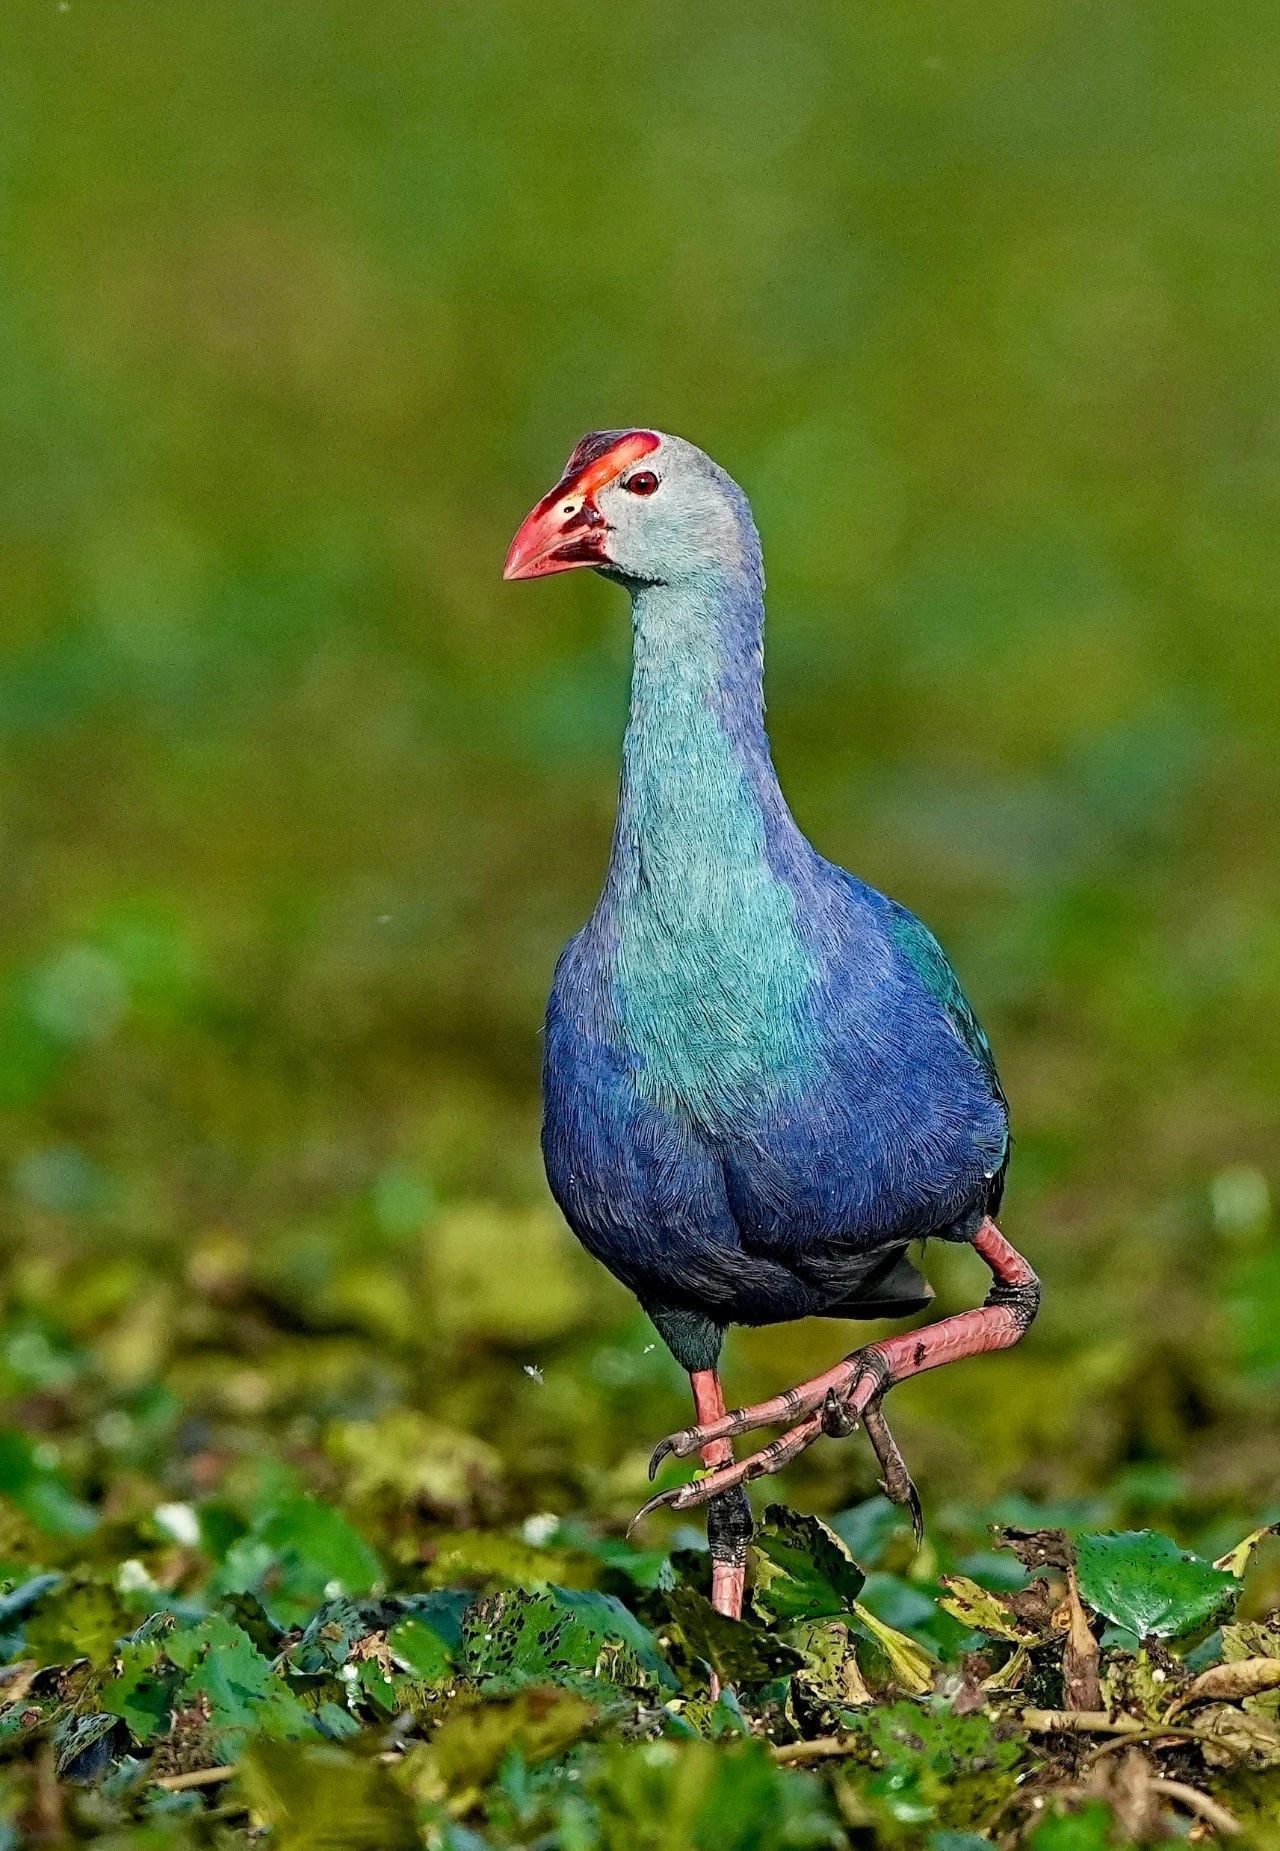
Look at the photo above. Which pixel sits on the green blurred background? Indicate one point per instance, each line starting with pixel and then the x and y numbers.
pixel 301 307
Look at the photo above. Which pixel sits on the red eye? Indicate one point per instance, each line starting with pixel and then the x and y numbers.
pixel 643 482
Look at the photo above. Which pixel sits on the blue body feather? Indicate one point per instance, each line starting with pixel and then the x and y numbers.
pixel 761 1078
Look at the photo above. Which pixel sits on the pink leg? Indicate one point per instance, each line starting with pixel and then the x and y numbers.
pixel 837 1401
pixel 728 1520
pixel 728 1567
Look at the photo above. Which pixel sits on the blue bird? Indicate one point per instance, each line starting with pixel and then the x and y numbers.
pixel 762 1079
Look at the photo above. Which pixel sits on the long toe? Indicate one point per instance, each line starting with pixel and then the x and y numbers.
pixel 769 1459
pixel 791 1406
pixel 899 1486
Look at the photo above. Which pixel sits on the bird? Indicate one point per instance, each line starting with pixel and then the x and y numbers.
pixel 762 1080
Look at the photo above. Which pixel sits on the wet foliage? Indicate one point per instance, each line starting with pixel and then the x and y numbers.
pixel 248 1586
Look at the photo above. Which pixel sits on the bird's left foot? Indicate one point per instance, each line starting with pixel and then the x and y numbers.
pixel 850 1394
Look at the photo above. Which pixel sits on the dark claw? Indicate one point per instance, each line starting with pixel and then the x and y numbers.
pixel 662 1451
pixel 670 1498
pixel 917 1514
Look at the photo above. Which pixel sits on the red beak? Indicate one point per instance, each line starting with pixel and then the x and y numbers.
pixel 567 529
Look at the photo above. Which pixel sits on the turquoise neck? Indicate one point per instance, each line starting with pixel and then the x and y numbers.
pixel 695 733
pixel 711 969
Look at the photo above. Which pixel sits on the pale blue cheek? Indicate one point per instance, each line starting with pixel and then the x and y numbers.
pixel 712 975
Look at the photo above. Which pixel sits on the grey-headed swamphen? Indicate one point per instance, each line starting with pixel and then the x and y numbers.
pixel 762 1079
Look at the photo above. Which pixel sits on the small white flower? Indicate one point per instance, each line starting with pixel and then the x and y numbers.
pixel 181 1521
pixel 538 1530
pixel 132 1578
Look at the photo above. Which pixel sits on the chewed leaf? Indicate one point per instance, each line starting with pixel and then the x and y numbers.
pixel 1236 1561
pixel 980 1610
pixel 1142 1581
pixel 739 1652
pixel 803 1569
pixel 560 1635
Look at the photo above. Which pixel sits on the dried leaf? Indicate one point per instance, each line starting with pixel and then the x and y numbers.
pixel 1227 1734
pixel 1236 1561
pixel 1230 1683
pixel 1037 1548
pixel 1080 1682
pixel 1134 1685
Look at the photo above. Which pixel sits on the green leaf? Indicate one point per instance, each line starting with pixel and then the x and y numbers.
pixel 29 1593
pixel 740 1652
pixel 932 1764
pixel 295 1557
pixel 421 1651
pixel 1143 1582
pixel 1086 1829
pixel 249 1614
pixel 226 1672
pixel 473 1740
pixel 705 1796
pixel 333 1633
pixel 557 1635
pixel 82 1620
pixel 143 1691
pixel 830 1674
pixel 476 1558
pixel 84 1744
pixel 30 1479
pixel 310 1795
pixel 869 1529
pixel 803 1569
pixel 404 1461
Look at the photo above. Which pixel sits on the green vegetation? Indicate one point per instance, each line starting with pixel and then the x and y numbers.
pixel 319 1437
